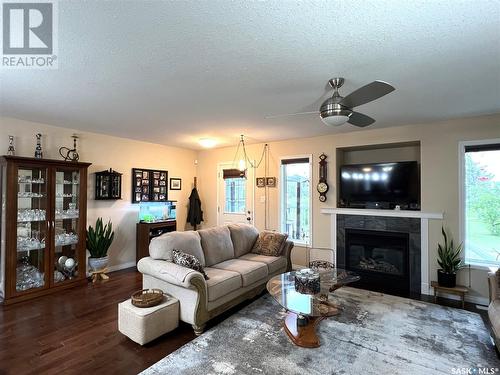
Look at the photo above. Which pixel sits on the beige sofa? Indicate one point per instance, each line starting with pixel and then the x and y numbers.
pixel 235 274
pixel 494 308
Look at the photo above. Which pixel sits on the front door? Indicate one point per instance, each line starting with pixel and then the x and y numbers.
pixel 235 195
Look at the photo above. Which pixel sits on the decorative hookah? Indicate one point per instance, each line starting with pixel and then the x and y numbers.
pixel 11 151
pixel 70 155
pixel 38 149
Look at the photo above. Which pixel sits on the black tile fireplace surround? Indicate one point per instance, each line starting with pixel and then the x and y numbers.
pixel 384 251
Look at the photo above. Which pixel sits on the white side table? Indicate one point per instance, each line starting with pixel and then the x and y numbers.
pixel 143 325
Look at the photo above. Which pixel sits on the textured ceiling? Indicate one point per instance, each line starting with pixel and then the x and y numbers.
pixel 172 72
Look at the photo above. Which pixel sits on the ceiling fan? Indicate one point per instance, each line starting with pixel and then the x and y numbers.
pixel 338 110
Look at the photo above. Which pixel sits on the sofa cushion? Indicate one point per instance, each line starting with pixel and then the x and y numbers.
pixel 217 245
pixel 221 282
pixel 270 243
pixel 250 272
pixel 274 264
pixel 243 237
pixel 188 242
pixel 187 260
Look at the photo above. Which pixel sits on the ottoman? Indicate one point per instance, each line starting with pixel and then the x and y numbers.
pixel 143 325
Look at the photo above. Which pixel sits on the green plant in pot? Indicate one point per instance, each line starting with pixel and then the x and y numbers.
pixel 98 242
pixel 449 260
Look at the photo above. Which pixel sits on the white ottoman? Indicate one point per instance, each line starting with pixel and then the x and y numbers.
pixel 143 325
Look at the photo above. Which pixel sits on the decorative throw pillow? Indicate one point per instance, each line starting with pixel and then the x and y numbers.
pixel 189 261
pixel 269 243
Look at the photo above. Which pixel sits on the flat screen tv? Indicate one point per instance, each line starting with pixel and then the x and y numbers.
pixel 381 185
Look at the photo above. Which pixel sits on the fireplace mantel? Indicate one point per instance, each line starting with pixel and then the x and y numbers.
pixel 424 235
pixel 388 213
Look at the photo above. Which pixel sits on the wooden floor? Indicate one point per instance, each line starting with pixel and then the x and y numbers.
pixel 76 332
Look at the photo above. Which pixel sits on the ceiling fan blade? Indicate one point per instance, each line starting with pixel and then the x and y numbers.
pixel 366 94
pixel 291 114
pixel 359 119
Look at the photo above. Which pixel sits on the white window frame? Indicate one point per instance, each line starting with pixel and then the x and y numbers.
pixel 281 198
pixel 461 193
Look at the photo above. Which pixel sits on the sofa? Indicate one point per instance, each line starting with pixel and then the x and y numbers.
pixel 494 307
pixel 234 272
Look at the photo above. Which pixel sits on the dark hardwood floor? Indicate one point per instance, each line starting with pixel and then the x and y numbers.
pixel 76 332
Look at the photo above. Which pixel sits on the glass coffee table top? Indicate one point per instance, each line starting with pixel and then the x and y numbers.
pixel 282 288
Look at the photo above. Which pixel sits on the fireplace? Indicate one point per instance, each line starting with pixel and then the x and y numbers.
pixel 384 251
pixel 381 258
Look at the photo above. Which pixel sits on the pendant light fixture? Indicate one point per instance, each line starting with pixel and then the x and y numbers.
pixel 243 160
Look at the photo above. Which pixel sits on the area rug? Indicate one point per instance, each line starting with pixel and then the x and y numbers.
pixel 374 334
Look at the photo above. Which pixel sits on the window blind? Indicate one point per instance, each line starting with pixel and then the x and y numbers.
pixel 294 161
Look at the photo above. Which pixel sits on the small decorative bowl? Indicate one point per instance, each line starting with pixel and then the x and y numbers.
pixel 147 297
pixel 307 281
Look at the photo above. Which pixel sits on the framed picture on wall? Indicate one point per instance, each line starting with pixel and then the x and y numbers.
pixel 175 184
pixel 260 182
pixel 146 185
pixel 271 181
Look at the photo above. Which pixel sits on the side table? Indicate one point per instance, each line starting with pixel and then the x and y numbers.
pixel 458 289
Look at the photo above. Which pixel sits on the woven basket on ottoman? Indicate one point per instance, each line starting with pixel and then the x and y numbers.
pixel 143 325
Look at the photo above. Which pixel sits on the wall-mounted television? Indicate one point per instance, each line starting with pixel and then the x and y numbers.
pixel 380 185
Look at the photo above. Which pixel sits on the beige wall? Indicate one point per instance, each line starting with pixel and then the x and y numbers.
pixel 106 152
pixel 439 163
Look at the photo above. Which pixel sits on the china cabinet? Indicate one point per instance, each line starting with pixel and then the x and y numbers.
pixel 43 219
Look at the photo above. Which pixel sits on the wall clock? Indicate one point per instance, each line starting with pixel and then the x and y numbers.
pixel 322 186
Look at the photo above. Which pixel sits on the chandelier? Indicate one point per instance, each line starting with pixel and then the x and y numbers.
pixel 242 162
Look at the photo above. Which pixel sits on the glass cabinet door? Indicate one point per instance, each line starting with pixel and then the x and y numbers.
pixel 67 234
pixel 32 228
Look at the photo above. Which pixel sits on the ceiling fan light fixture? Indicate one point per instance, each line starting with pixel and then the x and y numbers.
pixel 335 118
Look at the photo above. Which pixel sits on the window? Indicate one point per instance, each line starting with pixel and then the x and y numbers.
pixel 235 191
pixel 296 199
pixel 481 203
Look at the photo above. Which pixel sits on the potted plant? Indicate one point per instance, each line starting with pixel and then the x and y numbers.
pixel 450 262
pixel 98 242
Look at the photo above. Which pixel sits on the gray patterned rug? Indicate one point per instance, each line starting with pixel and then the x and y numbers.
pixel 375 334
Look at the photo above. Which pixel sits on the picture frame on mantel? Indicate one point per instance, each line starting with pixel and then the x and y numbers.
pixel 149 185
pixel 175 184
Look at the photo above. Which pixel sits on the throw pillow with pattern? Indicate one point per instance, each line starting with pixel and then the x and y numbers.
pixel 189 261
pixel 269 243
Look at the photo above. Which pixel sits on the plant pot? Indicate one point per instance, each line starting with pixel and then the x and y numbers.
pixel 98 264
pixel 448 280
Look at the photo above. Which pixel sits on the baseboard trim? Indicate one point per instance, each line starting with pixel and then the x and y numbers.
pixel 477 300
pixel 118 267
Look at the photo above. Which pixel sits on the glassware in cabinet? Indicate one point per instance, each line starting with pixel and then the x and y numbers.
pixel 67 231
pixel 32 227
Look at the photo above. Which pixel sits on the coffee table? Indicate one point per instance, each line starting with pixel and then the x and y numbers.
pixel 305 311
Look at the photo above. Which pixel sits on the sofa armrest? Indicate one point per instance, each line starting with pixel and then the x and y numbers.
pixel 170 272
pixel 493 286
pixel 287 253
